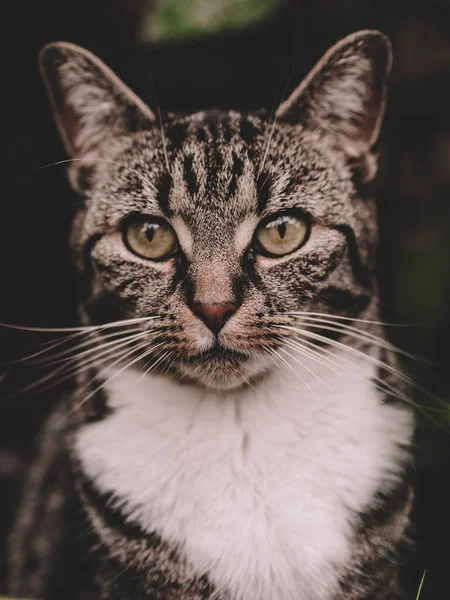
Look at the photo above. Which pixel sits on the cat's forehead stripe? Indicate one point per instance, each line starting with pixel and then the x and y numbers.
pixel 163 186
pixel 209 171
pixel 190 176
pixel 214 158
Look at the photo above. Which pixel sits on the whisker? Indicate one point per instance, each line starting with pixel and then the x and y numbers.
pixel 350 349
pixel 90 340
pixel 332 363
pixel 308 352
pixel 81 329
pixel 111 162
pixel 169 366
pixel 161 128
pixel 67 372
pixel 73 365
pixel 341 371
pixel 152 366
pixel 343 318
pixel 306 368
pixel 315 322
pixel 375 381
pixel 36 384
pixel 380 384
pixel 294 371
pixel 271 118
pixel 49 346
pixel 116 343
pixel 150 119
pixel 90 362
pixel 127 366
pixel 170 354
pixel 272 125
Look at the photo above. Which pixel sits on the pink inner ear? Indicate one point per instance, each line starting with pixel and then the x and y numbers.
pixel 356 131
pixel 72 128
pixel 358 134
pixel 366 124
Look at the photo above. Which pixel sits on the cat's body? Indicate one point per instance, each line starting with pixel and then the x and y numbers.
pixel 226 461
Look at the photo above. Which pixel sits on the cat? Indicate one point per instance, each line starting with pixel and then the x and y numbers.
pixel 238 429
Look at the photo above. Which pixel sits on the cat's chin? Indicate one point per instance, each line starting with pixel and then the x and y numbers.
pixel 223 371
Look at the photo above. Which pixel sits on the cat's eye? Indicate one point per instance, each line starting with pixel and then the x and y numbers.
pixel 150 237
pixel 281 234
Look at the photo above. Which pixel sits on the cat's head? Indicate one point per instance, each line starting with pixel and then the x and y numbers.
pixel 222 224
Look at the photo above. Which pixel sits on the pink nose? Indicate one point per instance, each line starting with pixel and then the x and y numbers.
pixel 214 315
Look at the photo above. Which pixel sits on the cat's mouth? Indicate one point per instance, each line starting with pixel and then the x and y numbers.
pixel 218 368
pixel 218 353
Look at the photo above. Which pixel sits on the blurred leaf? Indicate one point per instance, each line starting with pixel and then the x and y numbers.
pixel 180 19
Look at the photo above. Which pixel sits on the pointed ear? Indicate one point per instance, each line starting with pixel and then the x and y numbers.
pixel 90 103
pixel 344 95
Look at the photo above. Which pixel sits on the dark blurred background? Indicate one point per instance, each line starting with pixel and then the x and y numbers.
pixel 232 54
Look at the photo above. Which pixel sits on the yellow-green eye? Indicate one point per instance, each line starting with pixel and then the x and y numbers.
pixel 281 234
pixel 150 237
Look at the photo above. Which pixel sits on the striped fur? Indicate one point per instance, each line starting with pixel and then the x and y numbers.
pixel 340 457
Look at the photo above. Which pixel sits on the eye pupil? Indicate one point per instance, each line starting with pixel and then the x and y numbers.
pixel 150 231
pixel 282 229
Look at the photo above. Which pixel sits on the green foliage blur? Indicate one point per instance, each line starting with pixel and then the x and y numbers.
pixel 172 19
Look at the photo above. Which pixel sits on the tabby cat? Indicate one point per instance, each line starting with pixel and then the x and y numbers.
pixel 239 428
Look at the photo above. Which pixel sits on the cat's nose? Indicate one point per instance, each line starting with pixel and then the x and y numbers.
pixel 214 315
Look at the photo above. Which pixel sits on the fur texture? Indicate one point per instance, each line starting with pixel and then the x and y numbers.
pixel 259 488
pixel 263 459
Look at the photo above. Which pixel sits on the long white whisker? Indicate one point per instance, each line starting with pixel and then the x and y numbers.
pixel 168 365
pixel 274 120
pixel 111 162
pixel 379 383
pixel 294 371
pixel 308 352
pixel 306 368
pixel 349 349
pixel 161 128
pixel 148 363
pixel 36 384
pixel 342 371
pixel 98 348
pixel 69 369
pixel 166 157
pixel 127 366
pixel 343 318
pixel 73 351
pixel 334 363
pixel 84 329
pixel 149 120
pixel 49 346
pixel 67 372
pixel 153 366
pixel 89 363
pixel 315 322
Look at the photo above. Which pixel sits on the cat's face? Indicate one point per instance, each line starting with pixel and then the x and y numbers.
pixel 223 225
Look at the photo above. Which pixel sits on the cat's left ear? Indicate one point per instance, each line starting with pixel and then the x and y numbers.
pixel 91 104
pixel 343 97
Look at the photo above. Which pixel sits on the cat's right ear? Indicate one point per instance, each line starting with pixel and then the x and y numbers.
pixel 343 98
pixel 91 104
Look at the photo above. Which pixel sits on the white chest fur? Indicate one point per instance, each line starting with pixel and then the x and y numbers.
pixel 257 487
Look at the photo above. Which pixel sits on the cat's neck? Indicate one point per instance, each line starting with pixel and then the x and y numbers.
pixel 226 476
